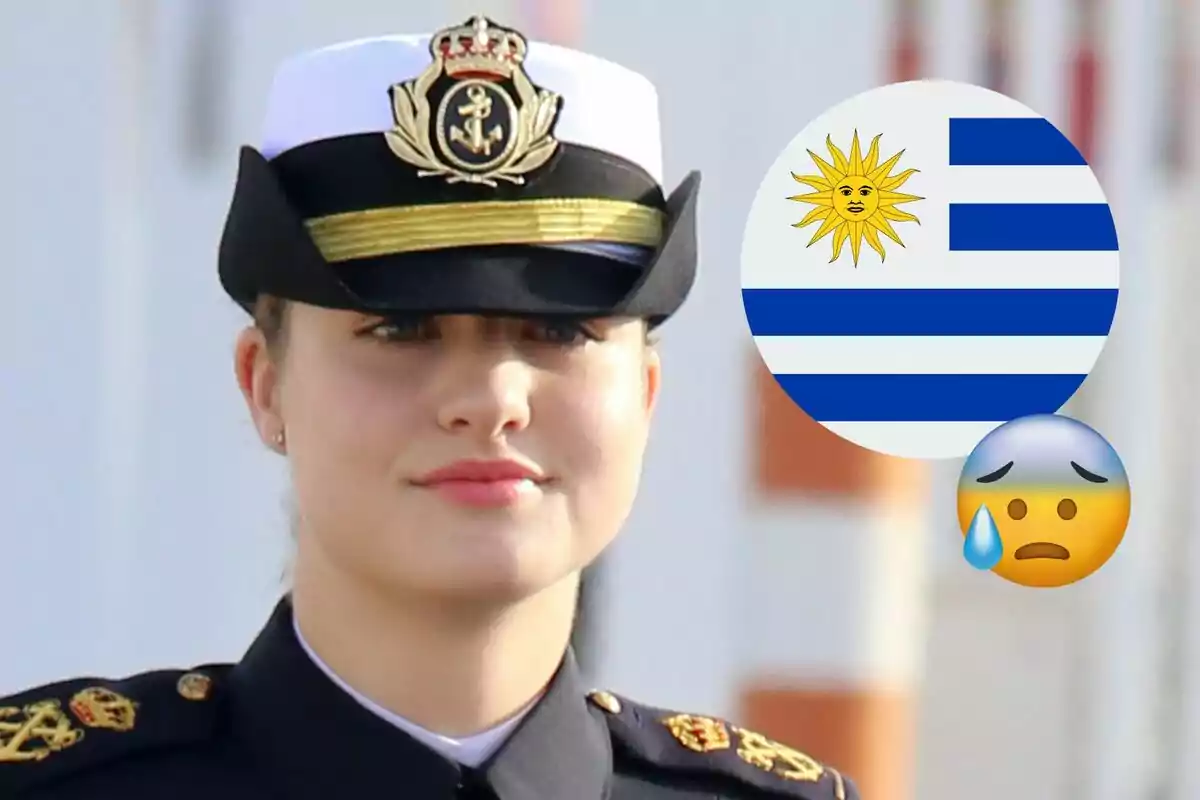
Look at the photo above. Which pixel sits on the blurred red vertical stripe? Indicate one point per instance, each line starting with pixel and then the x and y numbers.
pixel 998 38
pixel 1085 79
pixel 907 56
pixel 556 21
pixel 1178 148
pixel 1085 70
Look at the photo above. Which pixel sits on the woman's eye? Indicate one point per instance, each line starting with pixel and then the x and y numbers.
pixel 556 332
pixel 399 330
pixel 559 332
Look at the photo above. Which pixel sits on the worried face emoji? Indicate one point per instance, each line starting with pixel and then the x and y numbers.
pixel 1043 501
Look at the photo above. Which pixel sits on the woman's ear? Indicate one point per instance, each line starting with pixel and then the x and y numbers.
pixel 258 378
pixel 653 378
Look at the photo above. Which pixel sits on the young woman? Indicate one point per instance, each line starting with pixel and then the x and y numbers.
pixel 453 274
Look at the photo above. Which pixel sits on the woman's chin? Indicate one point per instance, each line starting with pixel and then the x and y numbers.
pixel 503 567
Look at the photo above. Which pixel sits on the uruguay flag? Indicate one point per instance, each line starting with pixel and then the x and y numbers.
pixel 925 262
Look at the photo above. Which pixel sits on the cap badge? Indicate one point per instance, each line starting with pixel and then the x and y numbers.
pixel 34 732
pixel 473 115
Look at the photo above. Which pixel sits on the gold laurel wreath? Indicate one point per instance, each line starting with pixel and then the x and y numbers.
pixel 410 138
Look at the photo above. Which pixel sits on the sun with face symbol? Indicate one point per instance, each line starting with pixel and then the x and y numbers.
pixel 855 198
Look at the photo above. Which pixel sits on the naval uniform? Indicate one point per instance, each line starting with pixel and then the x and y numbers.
pixel 465 172
pixel 274 726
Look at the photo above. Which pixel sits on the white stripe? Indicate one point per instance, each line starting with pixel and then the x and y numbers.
pixel 1057 184
pixel 916 439
pixel 801 548
pixel 953 270
pixel 930 355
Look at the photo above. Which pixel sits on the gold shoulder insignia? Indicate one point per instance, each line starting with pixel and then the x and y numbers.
pixel 769 755
pixel 97 707
pixel 76 725
pixel 705 734
pixel 702 734
pixel 705 745
pixel 473 115
pixel 33 731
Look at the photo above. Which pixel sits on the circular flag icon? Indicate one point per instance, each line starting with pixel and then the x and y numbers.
pixel 926 262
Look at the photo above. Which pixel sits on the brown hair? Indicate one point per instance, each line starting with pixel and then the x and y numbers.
pixel 270 317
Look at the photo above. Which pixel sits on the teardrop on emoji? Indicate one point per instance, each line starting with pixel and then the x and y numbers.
pixel 982 548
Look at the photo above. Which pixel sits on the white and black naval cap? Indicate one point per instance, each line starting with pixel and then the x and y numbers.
pixel 467 171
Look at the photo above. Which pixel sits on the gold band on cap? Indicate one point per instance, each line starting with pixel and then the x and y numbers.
pixel 410 229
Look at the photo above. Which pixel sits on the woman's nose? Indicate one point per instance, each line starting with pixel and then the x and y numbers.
pixel 489 399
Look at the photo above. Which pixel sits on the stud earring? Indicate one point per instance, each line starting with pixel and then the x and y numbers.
pixel 279 439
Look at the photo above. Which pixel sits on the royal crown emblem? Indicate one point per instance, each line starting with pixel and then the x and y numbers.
pixel 473 115
pixel 102 708
pixel 701 734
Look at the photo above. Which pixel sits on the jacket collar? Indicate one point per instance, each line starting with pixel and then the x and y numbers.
pixel 318 742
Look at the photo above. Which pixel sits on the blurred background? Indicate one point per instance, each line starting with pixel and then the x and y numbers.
pixel 770 573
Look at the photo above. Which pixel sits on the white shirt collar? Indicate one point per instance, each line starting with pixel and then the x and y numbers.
pixel 468 750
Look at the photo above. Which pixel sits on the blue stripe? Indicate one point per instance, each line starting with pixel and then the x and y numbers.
pixel 928 398
pixel 1032 226
pixel 930 312
pixel 1010 142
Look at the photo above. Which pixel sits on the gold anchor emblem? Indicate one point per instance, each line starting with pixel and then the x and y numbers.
pixel 473 115
pixel 34 732
pixel 476 113
pixel 769 755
